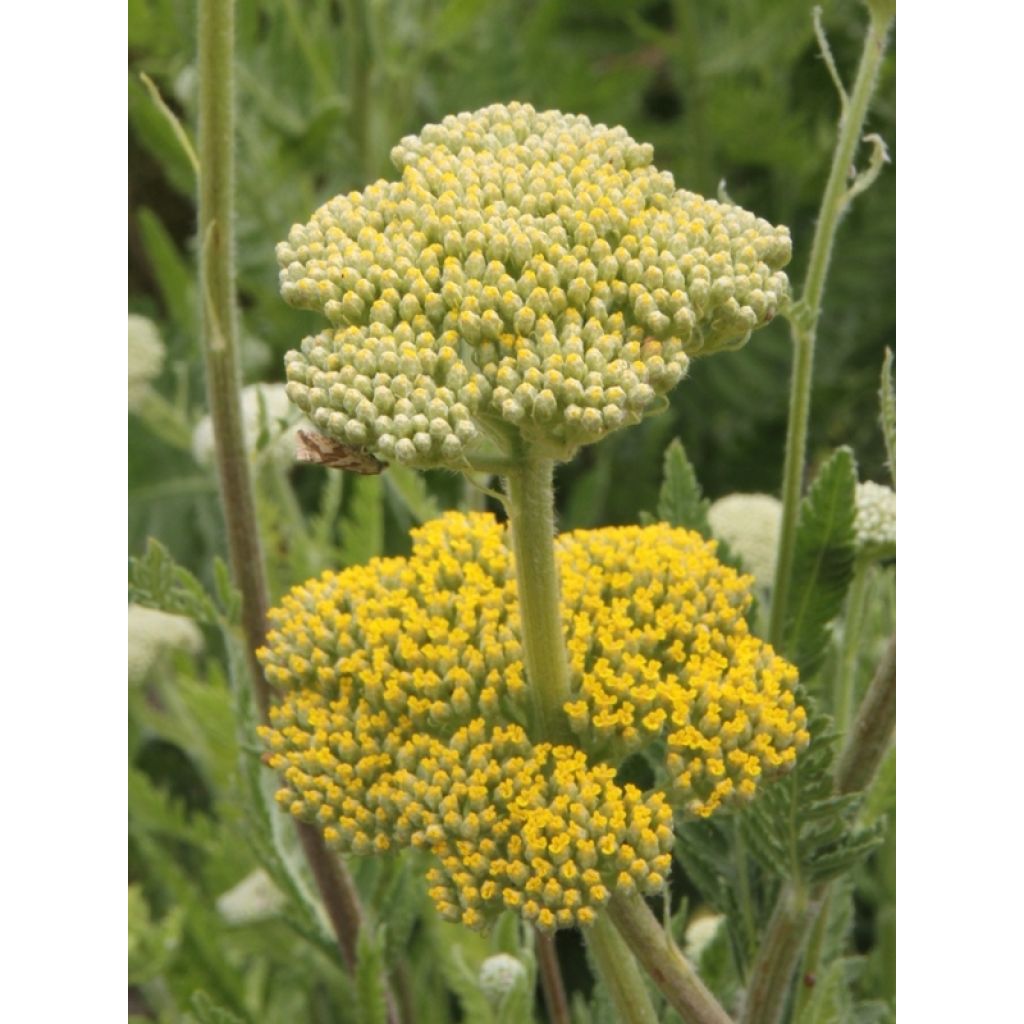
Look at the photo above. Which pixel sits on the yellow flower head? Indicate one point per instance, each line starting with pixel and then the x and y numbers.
pixel 529 272
pixel 403 714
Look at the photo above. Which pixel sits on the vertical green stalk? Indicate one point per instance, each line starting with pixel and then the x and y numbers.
pixel 220 333
pixel 220 349
pixel 853 629
pixel 807 312
pixel 531 511
pixel 551 981
pixel 620 974
pixel 530 502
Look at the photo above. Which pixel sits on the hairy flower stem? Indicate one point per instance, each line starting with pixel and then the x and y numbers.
pixel 807 312
pixel 531 511
pixel 551 982
pixel 620 974
pixel 220 348
pixel 797 908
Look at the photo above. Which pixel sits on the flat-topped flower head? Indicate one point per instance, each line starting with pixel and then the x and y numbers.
pixel 874 523
pixel 530 273
pixel 403 717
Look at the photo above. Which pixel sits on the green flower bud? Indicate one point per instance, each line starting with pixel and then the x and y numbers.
pixel 513 231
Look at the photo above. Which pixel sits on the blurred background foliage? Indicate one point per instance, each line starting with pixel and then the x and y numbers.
pixel 734 93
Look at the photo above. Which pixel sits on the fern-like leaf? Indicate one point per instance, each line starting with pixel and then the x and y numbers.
pixel 681 501
pixel 822 561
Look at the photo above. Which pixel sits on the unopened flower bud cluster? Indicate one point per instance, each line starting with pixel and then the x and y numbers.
pixel 403 713
pixel 750 524
pixel 874 523
pixel 530 269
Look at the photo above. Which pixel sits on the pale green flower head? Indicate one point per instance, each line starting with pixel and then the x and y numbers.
pixel 874 523
pixel 146 354
pixel 153 634
pixel 531 279
pixel 749 524
pixel 265 408
pixel 499 975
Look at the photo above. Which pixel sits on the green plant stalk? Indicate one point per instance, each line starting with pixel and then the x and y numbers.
pixel 853 629
pixel 807 312
pixel 530 503
pixel 531 512
pixel 551 982
pixel 531 509
pixel 620 974
pixel 797 908
pixel 220 350
pixel 668 968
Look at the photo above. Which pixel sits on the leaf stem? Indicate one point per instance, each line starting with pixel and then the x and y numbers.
pixel 806 313
pixel 220 349
pixel 620 974
pixel 853 629
pixel 551 979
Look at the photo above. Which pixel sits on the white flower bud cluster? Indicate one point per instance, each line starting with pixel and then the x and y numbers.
pixel 264 407
pixel 530 269
pixel 152 634
pixel 146 355
pixel 749 524
pixel 499 974
pixel 874 524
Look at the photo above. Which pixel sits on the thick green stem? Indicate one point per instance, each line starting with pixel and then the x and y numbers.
pixel 668 968
pixel 853 629
pixel 808 311
pixel 220 347
pixel 531 509
pixel 619 972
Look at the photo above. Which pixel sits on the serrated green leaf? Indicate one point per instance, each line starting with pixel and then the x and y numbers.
pixel 887 401
pixel 157 581
pixel 407 488
pixel 799 828
pixel 228 595
pixel 362 530
pixel 208 1012
pixel 823 561
pixel 370 978
pixel 152 945
pixel 681 502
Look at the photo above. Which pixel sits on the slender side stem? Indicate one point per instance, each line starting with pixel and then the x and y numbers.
pixel 812 956
pixel 667 967
pixel 620 974
pixel 220 345
pixel 796 909
pixel 872 729
pixel 217 285
pixel 808 311
pixel 551 980
pixel 531 505
pixel 853 628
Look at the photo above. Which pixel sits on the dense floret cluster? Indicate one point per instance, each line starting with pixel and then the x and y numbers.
pixel 749 524
pixel 403 720
pixel 874 523
pixel 529 273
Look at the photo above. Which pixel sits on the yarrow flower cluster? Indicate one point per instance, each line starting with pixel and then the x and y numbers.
pixel 403 717
pixel 530 273
pixel 152 634
pixel 749 524
pixel 146 355
pixel 874 523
